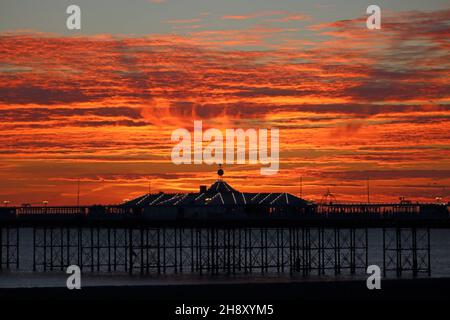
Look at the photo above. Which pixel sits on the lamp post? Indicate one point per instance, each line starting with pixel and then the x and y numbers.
pixel 6 202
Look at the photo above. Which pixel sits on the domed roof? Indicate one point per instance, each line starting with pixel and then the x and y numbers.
pixel 220 186
pixel 219 194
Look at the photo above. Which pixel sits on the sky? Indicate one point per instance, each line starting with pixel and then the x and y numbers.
pixel 99 105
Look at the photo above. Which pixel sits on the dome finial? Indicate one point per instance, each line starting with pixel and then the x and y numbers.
pixel 220 171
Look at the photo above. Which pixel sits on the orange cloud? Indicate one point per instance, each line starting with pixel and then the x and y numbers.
pixel 349 104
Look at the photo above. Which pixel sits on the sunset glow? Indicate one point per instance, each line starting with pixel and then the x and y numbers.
pixel 350 104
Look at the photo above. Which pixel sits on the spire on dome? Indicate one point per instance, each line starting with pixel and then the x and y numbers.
pixel 220 185
pixel 220 172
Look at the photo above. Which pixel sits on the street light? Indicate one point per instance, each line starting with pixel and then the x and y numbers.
pixel 6 202
pixel 45 203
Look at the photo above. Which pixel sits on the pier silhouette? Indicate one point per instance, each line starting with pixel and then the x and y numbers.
pixel 220 230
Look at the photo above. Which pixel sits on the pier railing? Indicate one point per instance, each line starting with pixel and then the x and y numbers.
pixel 321 210
pixel 380 209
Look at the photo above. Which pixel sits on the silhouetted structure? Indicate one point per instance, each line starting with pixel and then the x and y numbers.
pixel 221 230
pixel 219 200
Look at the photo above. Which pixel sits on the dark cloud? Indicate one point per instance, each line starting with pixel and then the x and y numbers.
pixel 33 94
pixel 45 114
pixel 387 174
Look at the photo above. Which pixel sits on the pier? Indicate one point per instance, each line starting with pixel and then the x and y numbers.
pixel 331 239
